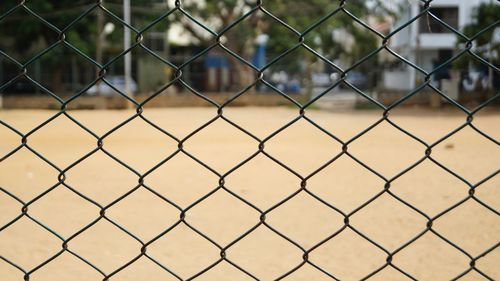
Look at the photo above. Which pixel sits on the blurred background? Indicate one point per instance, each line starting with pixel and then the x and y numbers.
pixel 258 39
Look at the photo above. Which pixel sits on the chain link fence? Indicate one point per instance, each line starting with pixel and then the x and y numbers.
pixel 391 256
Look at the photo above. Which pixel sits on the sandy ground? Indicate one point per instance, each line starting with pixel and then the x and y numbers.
pixel 344 184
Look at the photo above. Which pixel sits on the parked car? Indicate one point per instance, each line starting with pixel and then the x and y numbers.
pixel 118 82
pixel 357 79
pixel 321 80
pixel 283 82
pixel 292 86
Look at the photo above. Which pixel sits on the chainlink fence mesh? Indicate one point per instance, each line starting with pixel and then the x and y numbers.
pixel 305 252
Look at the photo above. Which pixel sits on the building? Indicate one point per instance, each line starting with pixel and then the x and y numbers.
pixel 426 42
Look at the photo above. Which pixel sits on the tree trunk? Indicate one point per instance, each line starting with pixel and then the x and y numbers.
pixel 56 85
pixel 241 75
pixel 308 83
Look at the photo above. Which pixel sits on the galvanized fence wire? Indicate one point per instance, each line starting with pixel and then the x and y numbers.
pixel 391 256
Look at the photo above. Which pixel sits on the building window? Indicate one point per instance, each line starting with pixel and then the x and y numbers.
pixel 449 15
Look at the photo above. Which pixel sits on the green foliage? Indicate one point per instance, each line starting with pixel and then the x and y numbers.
pixel 299 14
pixel 28 35
pixel 25 33
pixel 483 17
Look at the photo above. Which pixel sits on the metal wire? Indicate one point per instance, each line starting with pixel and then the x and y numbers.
pixel 391 256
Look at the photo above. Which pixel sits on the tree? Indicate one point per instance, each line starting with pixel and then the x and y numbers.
pixel 484 17
pixel 26 35
pixel 299 14
pixel 23 31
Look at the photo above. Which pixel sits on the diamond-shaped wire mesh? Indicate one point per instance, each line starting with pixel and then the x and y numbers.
pixel 217 180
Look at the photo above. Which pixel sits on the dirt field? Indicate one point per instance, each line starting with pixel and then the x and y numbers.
pixel 344 184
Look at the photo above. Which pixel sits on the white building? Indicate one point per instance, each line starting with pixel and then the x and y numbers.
pixel 426 42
